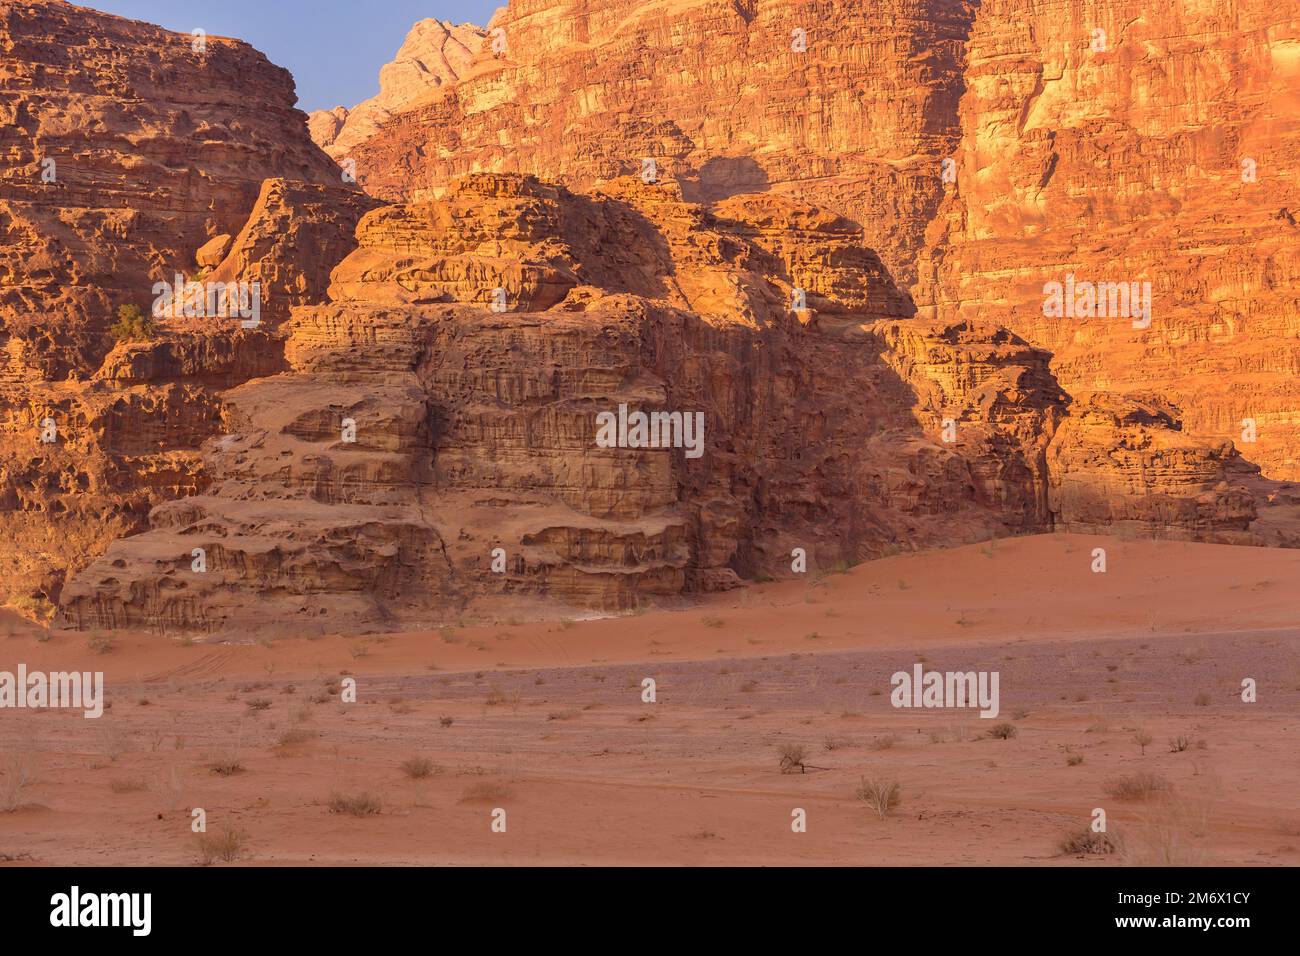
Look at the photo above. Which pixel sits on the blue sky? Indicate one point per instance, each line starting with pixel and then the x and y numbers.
pixel 333 48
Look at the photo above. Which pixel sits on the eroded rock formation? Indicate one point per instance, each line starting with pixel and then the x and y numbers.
pixel 1139 142
pixel 434 54
pixel 476 429
pixel 986 149
pixel 425 385
pixel 130 155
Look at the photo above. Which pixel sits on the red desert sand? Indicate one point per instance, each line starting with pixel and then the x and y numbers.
pixel 1122 692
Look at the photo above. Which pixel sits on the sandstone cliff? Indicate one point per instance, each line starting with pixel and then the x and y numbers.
pixel 434 54
pixel 986 149
pixel 132 154
pixel 474 429
pixel 792 265
pixel 1133 141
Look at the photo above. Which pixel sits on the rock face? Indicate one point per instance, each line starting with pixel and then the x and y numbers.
pixel 987 149
pixel 476 429
pixel 1140 142
pixel 434 54
pixel 716 93
pixel 126 150
pixel 132 154
pixel 420 421
pixel 1125 464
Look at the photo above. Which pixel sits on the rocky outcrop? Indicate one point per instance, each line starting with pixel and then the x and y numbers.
pixel 580 236
pixel 1124 463
pixel 435 54
pixel 987 149
pixel 133 154
pixel 126 150
pixel 476 429
pixel 294 236
pixel 845 104
pixel 1139 142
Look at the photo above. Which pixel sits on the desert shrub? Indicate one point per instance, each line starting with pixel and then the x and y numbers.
pixel 18 774
pixel 1178 744
pixel 1137 786
pixel 100 643
pixel 886 742
pixel 417 768
pixel 227 846
pixel 880 795
pixel 792 757
pixel 361 804
pixel 1085 841
pixel 1002 731
pixel 294 736
pixel 133 325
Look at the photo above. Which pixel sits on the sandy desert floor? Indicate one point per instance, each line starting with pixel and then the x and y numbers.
pixel 546 722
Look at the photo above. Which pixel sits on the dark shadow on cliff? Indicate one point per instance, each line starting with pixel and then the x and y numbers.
pixel 722 177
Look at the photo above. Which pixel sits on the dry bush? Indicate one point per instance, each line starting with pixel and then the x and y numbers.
pixel 1143 740
pixel 361 804
pixel 1137 786
pixel 880 795
pixel 227 846
pixel 1086 842
pixel 1171 834
pixel 127 785
pixel 226 766
pixel 446 721
pixel 886 742
pixel 792 757
pixel 1178 744
pixel 712 621
pixel 417 768
pixel 259 703
pixel 1003 731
